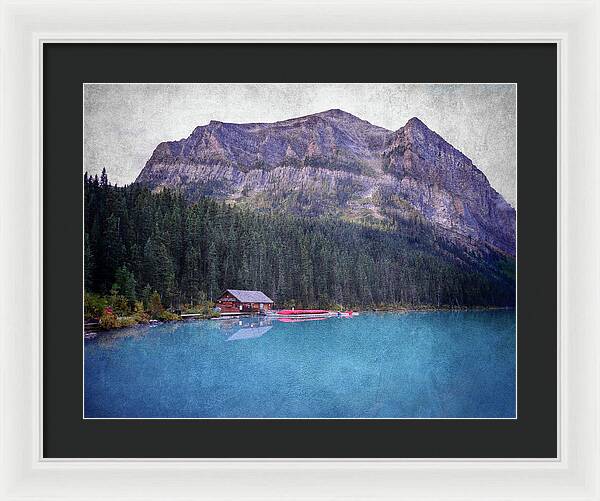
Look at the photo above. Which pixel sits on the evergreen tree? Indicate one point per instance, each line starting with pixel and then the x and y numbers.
pixel 155 306
pixel 125 283
pixel 104 178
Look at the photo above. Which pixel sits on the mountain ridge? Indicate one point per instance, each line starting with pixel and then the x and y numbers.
pixel 334 163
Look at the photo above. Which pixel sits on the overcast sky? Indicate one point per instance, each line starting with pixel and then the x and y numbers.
pixel 125 122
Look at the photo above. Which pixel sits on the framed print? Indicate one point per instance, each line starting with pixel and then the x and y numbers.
pixel 350 264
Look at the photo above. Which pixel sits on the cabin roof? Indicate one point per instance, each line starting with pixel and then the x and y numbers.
pixel 249 296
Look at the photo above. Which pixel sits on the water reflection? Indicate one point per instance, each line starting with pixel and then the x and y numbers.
pixel 235 328
pixel 296 320
pixel 249 333
pixel 244 327
pixel 109 339
pixel 254 327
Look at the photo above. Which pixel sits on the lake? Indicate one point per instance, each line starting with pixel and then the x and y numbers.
pixel 376 365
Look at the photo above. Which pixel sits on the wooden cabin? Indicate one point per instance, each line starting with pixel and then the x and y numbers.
pixel 238 301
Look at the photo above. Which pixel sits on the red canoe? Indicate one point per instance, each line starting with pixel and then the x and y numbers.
pixel 302 312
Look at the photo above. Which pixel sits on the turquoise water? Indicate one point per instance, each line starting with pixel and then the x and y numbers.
pixel 375 365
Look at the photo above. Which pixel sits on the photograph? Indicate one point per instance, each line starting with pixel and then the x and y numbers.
pixel 299 250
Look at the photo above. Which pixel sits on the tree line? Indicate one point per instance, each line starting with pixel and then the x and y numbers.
pixel 138 243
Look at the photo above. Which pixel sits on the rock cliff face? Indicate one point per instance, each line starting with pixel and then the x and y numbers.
pixel 337 164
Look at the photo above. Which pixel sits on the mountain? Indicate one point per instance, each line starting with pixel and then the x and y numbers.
pixel 333 163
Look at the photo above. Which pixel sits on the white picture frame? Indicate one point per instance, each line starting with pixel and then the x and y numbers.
pixel 573 25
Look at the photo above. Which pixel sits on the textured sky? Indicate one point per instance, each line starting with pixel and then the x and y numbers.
pixel 125 122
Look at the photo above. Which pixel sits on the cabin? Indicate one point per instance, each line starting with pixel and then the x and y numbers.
pixel 238 301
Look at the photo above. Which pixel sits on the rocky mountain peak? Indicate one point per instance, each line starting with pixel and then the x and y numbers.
pixel 338 114
pixel 335 163
pixel 415 123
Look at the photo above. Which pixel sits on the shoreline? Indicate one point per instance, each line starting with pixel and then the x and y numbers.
pixel 92 330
